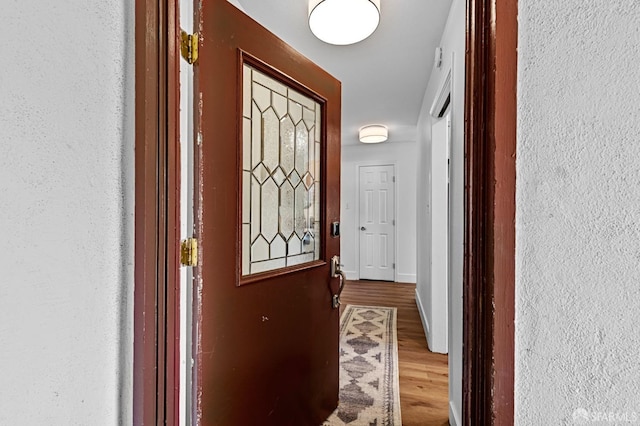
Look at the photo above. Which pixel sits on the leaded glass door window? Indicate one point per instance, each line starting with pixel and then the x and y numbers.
pixel 281 170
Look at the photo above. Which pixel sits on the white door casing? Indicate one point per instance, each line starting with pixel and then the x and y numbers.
pixel 377 222
pixel 186 223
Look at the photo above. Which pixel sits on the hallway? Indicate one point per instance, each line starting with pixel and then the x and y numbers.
pixel 423 374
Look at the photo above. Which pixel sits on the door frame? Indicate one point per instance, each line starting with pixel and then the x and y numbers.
pixel 490 175
pixel 395 209
pixel 490 179
pixel 157 189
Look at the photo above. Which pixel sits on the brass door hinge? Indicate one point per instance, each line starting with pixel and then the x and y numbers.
pixel 189 252
pixel 189 46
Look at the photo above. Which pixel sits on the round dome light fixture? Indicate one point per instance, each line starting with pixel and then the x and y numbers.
pixel 374 133
pixel 343 22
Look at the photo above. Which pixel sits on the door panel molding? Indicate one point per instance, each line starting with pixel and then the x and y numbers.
pixel 490 176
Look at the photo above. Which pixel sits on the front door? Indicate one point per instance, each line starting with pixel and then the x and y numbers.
pixel 377 223
pixel 267 182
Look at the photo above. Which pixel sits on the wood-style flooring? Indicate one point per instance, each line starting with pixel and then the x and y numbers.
pixel 424 383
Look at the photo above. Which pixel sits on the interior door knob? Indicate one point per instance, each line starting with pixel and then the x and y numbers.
pixel 362 228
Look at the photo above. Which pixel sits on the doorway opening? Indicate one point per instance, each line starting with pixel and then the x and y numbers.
pixel 489 236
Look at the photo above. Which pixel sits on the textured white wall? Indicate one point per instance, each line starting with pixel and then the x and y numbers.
pixel 578 211
pixel 403 154
pixel 66 212
pixel 453 41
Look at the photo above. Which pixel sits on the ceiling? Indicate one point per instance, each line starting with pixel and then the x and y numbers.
pixel 383 77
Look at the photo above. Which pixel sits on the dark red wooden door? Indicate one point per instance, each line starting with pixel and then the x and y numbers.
pixel 267 190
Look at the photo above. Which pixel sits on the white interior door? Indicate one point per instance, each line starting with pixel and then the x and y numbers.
pixel 377 223
pixel 438 331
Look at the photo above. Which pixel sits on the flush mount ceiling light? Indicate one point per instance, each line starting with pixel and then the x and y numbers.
pixel 343 22
pixel 374 133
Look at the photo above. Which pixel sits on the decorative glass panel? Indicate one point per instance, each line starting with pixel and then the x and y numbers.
pixel 281 175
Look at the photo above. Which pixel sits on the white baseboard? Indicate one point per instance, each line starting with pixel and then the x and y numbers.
pixel 423 317
pixel 454 415
pixel 352 275
pixel 406 278
pixel 400 278
pixel 427 328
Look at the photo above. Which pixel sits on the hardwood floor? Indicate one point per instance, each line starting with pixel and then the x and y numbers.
pixel 424 395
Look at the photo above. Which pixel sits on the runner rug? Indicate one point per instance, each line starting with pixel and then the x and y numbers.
pixel 369 387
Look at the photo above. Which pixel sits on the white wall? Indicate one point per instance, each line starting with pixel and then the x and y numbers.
pixel 66 213
pixel 403 155
pixel 453 41
pixel 578 211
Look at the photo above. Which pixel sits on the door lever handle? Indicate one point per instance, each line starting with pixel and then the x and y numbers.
pixel 337 272
pixel 335 301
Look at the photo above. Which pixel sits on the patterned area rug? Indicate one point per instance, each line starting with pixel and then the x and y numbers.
pixel 369 387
